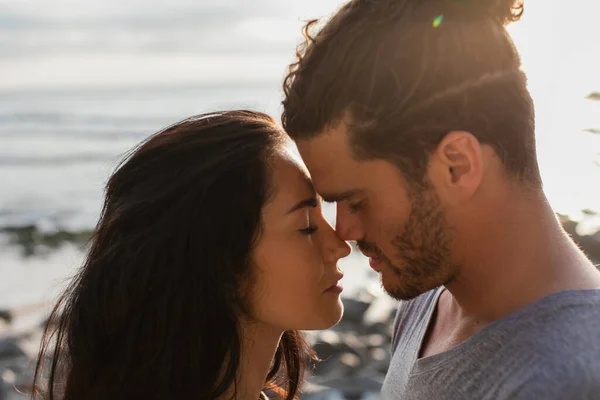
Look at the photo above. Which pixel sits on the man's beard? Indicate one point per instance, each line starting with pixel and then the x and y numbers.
pixel 421 245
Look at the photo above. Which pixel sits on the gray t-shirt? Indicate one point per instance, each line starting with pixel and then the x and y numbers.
pixel 548 350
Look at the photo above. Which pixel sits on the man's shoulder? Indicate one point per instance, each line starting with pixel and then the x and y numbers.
pixel 570 377
pixel 565 324
pixel 567 320
pixel 557 340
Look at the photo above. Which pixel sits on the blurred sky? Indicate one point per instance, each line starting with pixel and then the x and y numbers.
pixel 66 43
pixel 90 43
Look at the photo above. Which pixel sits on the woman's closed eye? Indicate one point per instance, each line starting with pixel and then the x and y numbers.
pixel 356 207
pixel 309 230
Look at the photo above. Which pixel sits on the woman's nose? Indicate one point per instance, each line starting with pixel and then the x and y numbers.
pixel 336 248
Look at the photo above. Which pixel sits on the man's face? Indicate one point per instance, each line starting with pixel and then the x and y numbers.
pixel 399 225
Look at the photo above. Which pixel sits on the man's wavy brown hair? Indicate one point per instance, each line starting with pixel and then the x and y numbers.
pixel 401 74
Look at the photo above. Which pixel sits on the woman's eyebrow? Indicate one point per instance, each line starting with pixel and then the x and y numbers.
pixel 311 202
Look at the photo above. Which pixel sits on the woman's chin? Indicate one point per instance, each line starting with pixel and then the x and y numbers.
pixel 328 317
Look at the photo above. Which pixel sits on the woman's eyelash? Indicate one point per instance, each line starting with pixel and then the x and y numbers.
pixel 309 230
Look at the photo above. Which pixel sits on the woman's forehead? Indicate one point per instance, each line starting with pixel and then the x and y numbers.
pixel 290 182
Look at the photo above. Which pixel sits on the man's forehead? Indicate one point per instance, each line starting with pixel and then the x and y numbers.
pixel 334 171
pixel 326 151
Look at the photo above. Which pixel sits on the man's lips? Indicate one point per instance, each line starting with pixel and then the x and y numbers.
pixel 370 250
pixel 371 254
pixel 376 262
pixel 375 259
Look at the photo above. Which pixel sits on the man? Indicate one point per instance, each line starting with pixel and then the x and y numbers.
pixel 415 118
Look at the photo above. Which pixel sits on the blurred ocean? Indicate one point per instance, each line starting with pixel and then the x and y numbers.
pixel 83 81
pixel 58 148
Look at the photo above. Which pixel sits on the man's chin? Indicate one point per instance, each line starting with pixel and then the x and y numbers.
pixel 398 288
pixel 401 294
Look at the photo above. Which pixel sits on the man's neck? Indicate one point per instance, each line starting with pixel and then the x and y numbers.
pixel 521 256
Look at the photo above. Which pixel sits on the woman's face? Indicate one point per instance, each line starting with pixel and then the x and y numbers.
pixel 297 279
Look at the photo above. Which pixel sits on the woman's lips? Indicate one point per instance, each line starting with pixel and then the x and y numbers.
pixel 335 289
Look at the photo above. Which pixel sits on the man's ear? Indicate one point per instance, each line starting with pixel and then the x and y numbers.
pixel 456 166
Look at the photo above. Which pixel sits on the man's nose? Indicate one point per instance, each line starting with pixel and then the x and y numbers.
pixel 347 224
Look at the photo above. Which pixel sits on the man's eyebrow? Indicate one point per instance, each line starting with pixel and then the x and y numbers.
pixel 338 197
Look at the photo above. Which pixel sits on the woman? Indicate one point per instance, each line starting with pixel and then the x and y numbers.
pixel 210 254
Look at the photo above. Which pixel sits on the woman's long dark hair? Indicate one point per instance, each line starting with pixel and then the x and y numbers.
pixel 154 311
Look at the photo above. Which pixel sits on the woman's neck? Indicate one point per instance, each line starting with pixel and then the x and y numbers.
pixel 259 343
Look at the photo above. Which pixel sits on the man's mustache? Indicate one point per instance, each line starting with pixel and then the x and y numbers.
pixel 367 247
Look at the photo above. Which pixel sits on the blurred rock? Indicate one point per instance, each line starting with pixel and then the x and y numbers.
pixel 354 309
pixel 6 316
pixel 10 350
pixel 14 365
pixel 355 353
pixel 379 359
pixel 34 241
pixel 318 392
pixel 381 309
pixel 355 387
pixel 593 96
